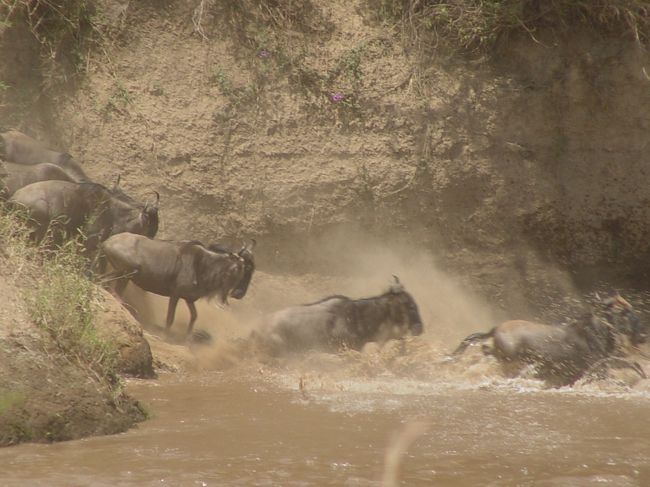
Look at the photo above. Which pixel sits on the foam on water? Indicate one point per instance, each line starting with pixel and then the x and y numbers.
pixel 400 373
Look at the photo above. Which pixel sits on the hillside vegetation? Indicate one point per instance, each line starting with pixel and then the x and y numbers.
pixel 59 363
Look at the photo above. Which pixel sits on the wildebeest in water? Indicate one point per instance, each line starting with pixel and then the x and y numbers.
pixel 560 354
pixel 185 270
pixel 339 322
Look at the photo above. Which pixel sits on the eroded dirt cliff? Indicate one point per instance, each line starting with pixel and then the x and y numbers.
pixel 321 133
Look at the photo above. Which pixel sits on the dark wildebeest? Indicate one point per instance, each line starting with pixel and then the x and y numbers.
pixel 339 322
pixel 17 178
pixel 22 149
pixel 180 270
pixel 87 207
pixel 561 354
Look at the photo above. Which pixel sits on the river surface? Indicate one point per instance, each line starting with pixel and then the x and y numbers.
pixel 325 420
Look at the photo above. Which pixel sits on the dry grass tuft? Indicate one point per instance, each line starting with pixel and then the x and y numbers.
pixel 61 299
pixel 62 28
pixel 477 25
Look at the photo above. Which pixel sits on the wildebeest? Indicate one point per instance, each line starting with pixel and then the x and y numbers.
pixel 561 354
pixel 339 322
pixel 180 270
pixel 20 148
pixel 87 207
pixel 17 178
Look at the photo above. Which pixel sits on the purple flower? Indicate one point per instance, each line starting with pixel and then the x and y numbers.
pixel 264 53
pixel 336 97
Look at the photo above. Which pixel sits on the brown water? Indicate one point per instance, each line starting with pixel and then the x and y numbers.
pixel 252 425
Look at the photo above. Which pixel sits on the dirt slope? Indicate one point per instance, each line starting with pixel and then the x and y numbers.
pixel 47 394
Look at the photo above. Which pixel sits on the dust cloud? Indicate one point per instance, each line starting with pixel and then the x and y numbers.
pixel 363 267
pixel 358 266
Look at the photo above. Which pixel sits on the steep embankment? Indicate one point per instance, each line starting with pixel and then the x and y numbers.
pixel 304 127
pixel 63 343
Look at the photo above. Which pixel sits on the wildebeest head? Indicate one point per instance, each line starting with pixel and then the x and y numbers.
pixel 622 315
pixel 133 216
pixel 403 308
pixel 248 261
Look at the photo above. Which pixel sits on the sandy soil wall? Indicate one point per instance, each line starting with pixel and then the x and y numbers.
pixel 512 170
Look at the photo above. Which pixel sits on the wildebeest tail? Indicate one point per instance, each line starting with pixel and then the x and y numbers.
pixel 474 337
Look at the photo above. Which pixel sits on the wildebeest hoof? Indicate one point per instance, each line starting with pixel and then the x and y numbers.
pixel 200 336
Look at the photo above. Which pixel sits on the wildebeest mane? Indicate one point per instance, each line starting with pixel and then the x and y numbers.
pixel 328 298
pixel 213 247
pixel 206 273
pixel 346 298
pixel 599 335
pixel 220 248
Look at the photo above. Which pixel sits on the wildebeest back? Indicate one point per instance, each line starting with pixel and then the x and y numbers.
pixel 19 176
pixel 20 148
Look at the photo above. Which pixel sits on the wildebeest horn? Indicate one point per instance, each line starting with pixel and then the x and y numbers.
pixel 622 301
pixel 155 205
pixel 396 286
pixel 249 246
pixel 615 299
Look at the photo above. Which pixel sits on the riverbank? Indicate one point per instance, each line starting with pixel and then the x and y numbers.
pixel 64 347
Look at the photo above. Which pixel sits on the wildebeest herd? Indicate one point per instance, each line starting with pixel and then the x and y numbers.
pixel 63 203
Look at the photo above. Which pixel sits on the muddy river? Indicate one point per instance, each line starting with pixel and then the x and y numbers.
pixel 325 420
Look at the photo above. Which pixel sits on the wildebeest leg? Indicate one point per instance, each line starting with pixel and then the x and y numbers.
pixel 99 263
pixel 475 337
pixel 193 315
pixel 120 286
pixel 171 311
pixel 617 362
